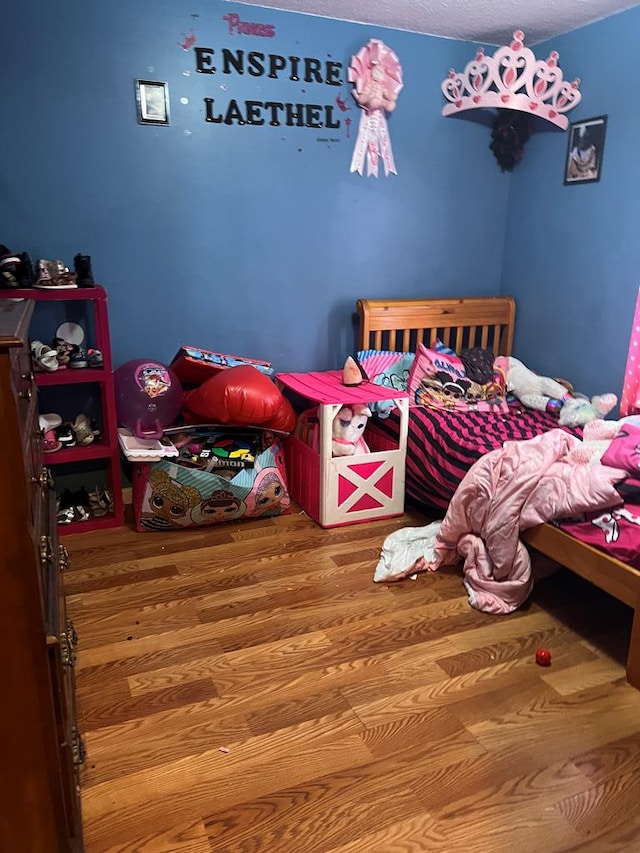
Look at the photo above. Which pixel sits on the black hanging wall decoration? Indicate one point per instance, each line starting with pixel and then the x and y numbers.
pixel 509 134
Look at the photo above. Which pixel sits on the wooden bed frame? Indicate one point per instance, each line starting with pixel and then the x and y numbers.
pixel 399 324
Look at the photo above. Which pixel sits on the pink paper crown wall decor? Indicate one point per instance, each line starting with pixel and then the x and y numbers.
pixel 513 79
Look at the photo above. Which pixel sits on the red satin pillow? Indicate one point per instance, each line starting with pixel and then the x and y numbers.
pixel 240 395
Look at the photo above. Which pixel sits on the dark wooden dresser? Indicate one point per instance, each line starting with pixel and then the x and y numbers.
pixel 41 748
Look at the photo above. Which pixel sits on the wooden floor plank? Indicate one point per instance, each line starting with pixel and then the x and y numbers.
pixel 249 689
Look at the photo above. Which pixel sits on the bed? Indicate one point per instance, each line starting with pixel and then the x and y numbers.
pixel 489 323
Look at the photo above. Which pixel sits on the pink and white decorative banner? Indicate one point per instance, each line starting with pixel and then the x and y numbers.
pixel 630 402
pixel 377 73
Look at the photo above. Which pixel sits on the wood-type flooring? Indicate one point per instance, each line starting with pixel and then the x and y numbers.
pixel 248 688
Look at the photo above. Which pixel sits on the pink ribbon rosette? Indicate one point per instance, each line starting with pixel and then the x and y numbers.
pixel 377 73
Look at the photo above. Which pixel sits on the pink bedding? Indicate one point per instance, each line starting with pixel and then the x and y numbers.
pixel 615 531
pixel 505 492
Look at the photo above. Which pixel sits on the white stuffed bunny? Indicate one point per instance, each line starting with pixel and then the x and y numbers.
pixel 348 426
pixel 533 391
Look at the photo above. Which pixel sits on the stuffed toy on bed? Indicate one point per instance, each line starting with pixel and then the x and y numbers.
pixel 579 410
pixel 549 395
pixel 535 392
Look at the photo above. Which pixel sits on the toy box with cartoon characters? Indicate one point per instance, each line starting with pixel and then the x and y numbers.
pixel 220 474
pixel 193 365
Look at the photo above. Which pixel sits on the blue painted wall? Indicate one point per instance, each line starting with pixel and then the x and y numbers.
pixel 249 240
pixel 572 254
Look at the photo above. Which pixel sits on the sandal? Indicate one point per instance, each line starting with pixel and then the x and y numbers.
pixel 66 516
pixel 44 357
pixel 83 431
pixel 95 359
pixel 78 357
pixel 63 351
pixel 101 502
pixel 71 506
pixel 65 436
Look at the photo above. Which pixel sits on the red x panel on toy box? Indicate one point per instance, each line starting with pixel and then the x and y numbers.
pixel 194 366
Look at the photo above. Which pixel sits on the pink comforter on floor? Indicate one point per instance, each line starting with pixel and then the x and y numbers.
pixel 508 490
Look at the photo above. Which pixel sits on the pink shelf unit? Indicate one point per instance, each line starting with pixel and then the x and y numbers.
pixel 336 491
pixel 106 451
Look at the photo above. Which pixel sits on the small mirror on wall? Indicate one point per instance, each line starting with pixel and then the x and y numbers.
pixel 152 99
pixel 585 151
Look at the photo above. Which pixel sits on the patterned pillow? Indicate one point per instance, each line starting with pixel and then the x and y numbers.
pixel 439 381
pixel 390 369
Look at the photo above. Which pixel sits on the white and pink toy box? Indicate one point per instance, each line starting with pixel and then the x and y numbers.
pixel 336 491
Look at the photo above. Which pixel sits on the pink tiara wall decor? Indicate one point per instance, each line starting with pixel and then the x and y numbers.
pixel 377 74
pixel 512 79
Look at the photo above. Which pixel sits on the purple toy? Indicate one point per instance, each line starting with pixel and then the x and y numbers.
pixel 148 397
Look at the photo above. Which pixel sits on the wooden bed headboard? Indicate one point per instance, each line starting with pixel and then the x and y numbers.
pixel 400 324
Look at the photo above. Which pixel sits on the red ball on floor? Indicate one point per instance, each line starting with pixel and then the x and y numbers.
pixel 543 657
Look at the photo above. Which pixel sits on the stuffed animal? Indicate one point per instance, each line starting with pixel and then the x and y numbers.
pixel 533 391
pixel 347 429
pixel 579 410
pixel 551 395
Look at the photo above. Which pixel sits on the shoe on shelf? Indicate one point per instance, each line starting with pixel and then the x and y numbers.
pixel 49 421
pixel 50 442
pixel 63 351
pixel 48 424
pixel 9 268
pixel 78 357
pixel 71 506
pixel 54 275
pixel 25 270
pixel 44 357
pixel 64 434
pixel 83 431
pixel 64 503
pixel 94 358
pixel 101 502
pixel 82 266
pixel 73 513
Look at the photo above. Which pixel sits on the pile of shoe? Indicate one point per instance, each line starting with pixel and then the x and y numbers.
pixel 73 506
pixel 63 354
pixel 58 433
pixel 54 275
pixel 16 270
pixel 82 505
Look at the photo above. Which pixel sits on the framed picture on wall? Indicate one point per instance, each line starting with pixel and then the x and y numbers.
pixel 152 100
pixel 585 151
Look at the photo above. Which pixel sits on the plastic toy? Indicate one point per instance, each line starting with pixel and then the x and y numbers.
pixel 543 657
pixel 347 429
pixel 148 397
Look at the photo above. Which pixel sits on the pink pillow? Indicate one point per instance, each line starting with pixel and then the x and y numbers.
pixel 439 381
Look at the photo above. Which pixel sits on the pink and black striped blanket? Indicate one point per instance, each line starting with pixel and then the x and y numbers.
pixel 442 446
